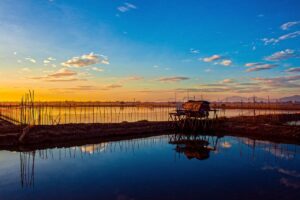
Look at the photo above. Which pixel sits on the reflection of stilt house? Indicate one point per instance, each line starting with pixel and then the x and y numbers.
pixel 194 115
pixel 196 146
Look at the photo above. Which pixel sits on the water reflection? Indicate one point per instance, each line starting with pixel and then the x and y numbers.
pixel 94 148
pixel 193 147
pixel 282 151
pixel 27 160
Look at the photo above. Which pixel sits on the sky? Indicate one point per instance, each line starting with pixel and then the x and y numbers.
pixel 114 50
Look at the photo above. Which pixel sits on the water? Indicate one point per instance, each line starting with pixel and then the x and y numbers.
pixel 153 168
pixel 114 114
pixel 97 114
pixel 294 123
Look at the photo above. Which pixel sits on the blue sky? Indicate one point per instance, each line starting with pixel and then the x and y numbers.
pixel 149 49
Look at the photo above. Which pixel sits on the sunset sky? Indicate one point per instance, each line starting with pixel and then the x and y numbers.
pixel 149 50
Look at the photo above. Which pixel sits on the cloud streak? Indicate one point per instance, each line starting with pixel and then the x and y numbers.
pixel 260 67
pixel 226 62
pixel 112 86
pixel 268 41
pixel 288 25
pixel 293 69
pixel 62 75
pixel 194 51
pixel 97 69
pixel 280 82
pixel 173 79
pixel 85 60
pixel 281 55
pixel 126 7
pixel 228 80
pixel 212 58
pixel 31 60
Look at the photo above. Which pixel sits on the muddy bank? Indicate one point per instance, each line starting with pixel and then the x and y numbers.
pixel 48 136
pixel 274 128
pixel 265 127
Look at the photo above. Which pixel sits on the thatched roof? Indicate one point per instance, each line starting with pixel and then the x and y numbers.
pixel 196 105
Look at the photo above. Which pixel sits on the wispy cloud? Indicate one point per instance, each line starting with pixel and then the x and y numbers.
pixel 293 69
pixel 253 64
pixel 281 38
pixel 65 80
pixel 61 75
pixel 31 60
pixel 48 60
pixel 212 58
pixel 111 86
pixel 194 51
pixel 222 89
pixel 281 55
pixel 134 78
pixel 260 67
pixel 228 80
pixel 82 88
pixel 226 62
pixel 288 25
pixel 126 7
pixel 51 58
pixel 86 60
pixel 173 79
pixel 91 87
pixel 227 86
pixel 97 69
pixel 280 82
pixel 256 85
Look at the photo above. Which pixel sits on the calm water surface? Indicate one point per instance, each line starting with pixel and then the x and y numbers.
pixel 66 115
pixel 165 167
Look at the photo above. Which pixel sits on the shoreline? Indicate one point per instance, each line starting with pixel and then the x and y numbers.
pixel 45 136
pixel 272 128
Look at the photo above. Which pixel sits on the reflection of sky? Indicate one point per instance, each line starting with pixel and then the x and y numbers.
pixel 94 147
pixel 289 178
pixel 151 168
pixel 226 145
pixel 276 150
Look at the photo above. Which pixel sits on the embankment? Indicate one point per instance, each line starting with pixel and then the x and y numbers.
pixel 274 128
pixel 265 127
pixel 65 135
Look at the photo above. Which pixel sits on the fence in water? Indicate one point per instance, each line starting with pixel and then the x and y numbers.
pixel 66 113
pixel 29 112
pixel 51 115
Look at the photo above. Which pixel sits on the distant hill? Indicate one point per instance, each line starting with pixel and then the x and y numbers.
pixel 243 99
pixel 290 98
pixel 235 99
pixel 295 98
